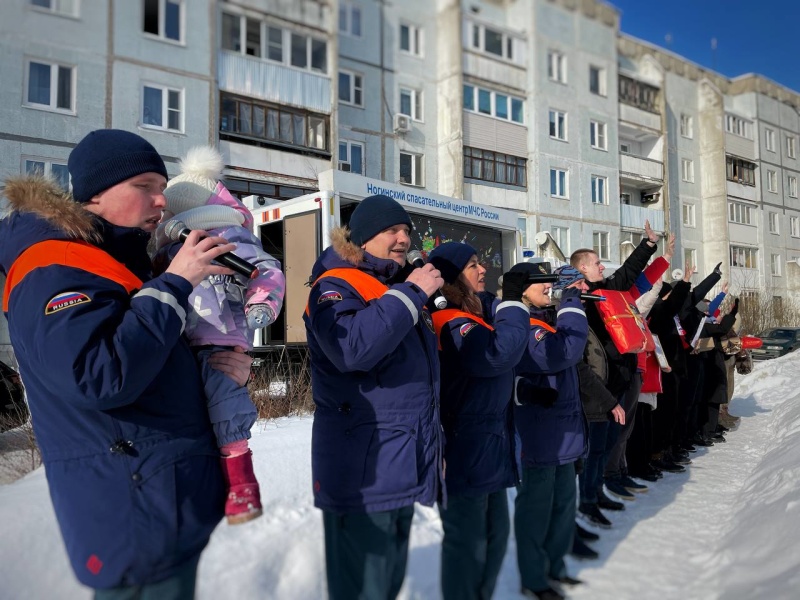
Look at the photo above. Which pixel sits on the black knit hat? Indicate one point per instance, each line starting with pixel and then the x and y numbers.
pixel 106 157
pixel 373 215
pixel 451 258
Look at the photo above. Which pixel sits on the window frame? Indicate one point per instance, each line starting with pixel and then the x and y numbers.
pixel 792 185
pixel 162 22
pixel 559 193
pixel 165 108
pixel 791 146
pixel 749 253
pixel 769 139
pixel 773 221
pixel 738 126
pixel 687 170
pixel 417 165
pixel 557 66
pixel 47 168
pixel 598 131
pixel 491 164
pixel 775 261
pixel 510 103
pixel 687 126
pixel 556 232
pixel 555 123
pixel 599 189
pixel 688 215
pixel 353 88
pixel 794 226
pixel 508 50
pixel 740 171
pixel 350 8
pixel 603 250
pixel 416 40
pixel 741 213
pixel 55 68
pixel 417 102
pixel 602 81
pixel 690 256
pixel 56 9
pixel 349 146
pixel 772 181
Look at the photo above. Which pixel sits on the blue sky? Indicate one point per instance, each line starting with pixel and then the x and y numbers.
pixel 761 36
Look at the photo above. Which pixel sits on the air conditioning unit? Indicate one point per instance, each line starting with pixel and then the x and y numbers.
pixel 402 123
pixel 650 198
pixel 344 166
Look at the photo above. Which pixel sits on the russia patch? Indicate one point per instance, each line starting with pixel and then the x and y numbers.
pixel 65 300
pixel 426 316
pixel 466 328
pixel 329 297
pixel 539 334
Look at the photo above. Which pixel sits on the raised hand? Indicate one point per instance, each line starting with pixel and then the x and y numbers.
pixel 652 236
pixel 669 252
pixel 689 271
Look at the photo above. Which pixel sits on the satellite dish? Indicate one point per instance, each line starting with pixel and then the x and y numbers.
pixel 677 274
pixel 541 237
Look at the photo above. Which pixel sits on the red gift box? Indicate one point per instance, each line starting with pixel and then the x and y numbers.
pixel 624 322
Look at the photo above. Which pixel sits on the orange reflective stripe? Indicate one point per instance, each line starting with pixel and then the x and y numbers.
pixel 80 255
pixel 442 317
pixel 365 285
pixel 538 323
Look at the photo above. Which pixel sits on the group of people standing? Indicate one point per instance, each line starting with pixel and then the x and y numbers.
pixel 454 406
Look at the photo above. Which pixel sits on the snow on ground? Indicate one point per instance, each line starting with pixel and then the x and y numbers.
pixel 728 527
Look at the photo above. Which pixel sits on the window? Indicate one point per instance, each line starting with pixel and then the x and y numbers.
pixel 597 135
pixel 50 85
pixel 625 198
pixel 772 181
pixel 162 107
pixel 688 215
pixel 253 37
pixel 740 170
pixel 49 168
pixel 738 126
pixel 600 245
pixel 350 19
pixel 495 167
pixel 557 66
pixel 558 125
pixel 769 139
pixel 411 39
pixel 687 126
pixel 559 183
pixel 743 256
pixel 351 154
pixel 599 190
pixel 491 41
pixel 794 227
pixel 690 257
pixel 63 7
pixel 561 237
pixel 411 103
pixel 774 223
pixel 163 18
pixel 638 94
pixel 260 123
pixel 687 170
pixel 625 148
pixel 351 88
pixel 740 213
pixel 411 169
pixel 790 146
pixel 792 186
pixel 597 81
pixel 495 104
pixel 522 228
pixel 775 265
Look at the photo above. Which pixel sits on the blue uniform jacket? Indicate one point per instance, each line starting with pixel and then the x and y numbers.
pixel 477 382
pixel 376 440
pixel 552 435
pixel 115 397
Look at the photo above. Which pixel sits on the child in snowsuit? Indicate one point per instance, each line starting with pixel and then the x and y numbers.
pixel 225 312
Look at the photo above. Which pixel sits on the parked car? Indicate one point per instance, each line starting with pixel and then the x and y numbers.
pixel 777 342
pixel 13 408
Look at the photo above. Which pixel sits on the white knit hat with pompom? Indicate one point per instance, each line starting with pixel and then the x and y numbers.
pixel 200 171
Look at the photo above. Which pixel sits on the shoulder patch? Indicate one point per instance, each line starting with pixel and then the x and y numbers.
pixel 466 328
pixel 426 317
pixel 331 296
pixel 539 334
pixel 65 300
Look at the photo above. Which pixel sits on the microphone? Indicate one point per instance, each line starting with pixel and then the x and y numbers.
pixel 593 297
pixel 178 232
pixel 415 258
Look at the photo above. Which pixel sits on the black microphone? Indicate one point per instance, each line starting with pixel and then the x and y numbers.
pixel 415 258
pixel 178 232
pixel 593 297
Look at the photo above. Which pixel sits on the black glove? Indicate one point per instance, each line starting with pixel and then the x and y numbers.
pixel 718 269
pixel 514 285
pixel 735 308
pixel 570 292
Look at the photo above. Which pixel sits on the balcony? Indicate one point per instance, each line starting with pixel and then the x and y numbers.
pixel 633 217
pixel 644 170
pixel 258 78
pixel 641 118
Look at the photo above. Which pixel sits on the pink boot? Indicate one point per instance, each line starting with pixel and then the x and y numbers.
pixel 244 499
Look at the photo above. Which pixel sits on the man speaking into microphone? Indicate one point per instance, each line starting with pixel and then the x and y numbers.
pixel 376 445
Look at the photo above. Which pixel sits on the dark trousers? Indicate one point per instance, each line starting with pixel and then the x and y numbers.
pixel 640 444
pixel 476 532
pixel 601 440
pixel 664 417
pixel 616 464
pixel 544 523
pixel 694 392
pixel 178 587
pixel 366 553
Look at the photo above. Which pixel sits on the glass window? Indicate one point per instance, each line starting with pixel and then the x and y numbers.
pixel 275 44
pixel 299 51
pixel 469 97
pixel 484 101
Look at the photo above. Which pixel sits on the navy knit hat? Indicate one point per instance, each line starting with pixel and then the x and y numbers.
pixel 373 215
pixel 106 157
pixel 567 275
pixel 451 258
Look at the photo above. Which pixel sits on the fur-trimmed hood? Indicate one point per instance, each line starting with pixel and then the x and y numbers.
pixel 344 253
